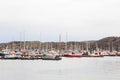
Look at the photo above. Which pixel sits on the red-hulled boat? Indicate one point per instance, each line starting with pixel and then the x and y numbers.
pixel 72 55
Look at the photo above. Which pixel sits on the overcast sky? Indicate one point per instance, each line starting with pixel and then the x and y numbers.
pixel 45 19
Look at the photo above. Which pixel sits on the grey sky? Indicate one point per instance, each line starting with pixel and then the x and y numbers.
pixel 81 19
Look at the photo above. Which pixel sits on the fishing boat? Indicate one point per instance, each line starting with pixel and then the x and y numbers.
pixel 51 55
pixel 72 54
pixel 95 54
pixel 118 54
pixel 107 53
pixel 9 55
pixel 45 58
pixel 2 55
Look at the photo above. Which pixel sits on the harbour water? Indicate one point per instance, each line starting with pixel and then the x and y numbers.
pixel 107 68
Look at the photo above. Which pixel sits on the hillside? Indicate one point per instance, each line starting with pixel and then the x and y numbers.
pixel 108 43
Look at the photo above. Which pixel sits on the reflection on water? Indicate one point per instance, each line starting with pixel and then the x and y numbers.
pixel 107 68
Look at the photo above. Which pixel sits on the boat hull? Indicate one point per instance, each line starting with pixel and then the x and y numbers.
pixel 51 58
pixel 92 56
pixel 72 55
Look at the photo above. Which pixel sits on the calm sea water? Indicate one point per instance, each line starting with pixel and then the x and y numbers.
pixel 107 68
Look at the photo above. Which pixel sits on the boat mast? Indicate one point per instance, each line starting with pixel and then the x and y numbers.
pixel 87 46
pixel 97 49
pixel 40 43
pixel 20 40
pixel 24 40
pixel 66 42
pixel 59 43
